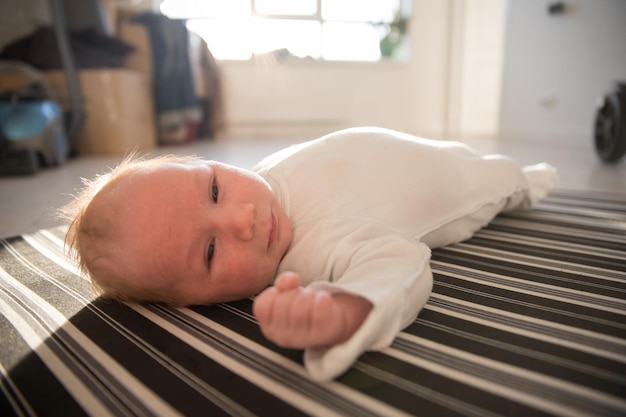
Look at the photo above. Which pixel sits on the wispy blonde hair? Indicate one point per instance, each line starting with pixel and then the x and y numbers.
pixel 106 283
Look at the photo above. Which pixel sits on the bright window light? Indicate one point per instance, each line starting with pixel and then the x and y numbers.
pixel 350 42
pixel 341 30
pixel 359 10
pixel 286 7
pixel 300 37
pixel 227 39
pixel 211 9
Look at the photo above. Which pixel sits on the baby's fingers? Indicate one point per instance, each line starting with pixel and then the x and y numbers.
pixel 309 320
pixel 326 321
pixel 287 281
pixel 300 311
pixel 263 305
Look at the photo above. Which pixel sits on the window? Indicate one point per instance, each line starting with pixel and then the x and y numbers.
pixel 338 30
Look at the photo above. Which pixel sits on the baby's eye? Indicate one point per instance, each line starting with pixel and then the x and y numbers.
pixel 210 252
pixel 214 192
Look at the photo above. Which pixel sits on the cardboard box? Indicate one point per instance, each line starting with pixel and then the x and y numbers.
pixel 140 59
pixel 119 115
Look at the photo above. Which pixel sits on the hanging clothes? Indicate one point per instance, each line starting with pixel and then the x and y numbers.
pixel 207 80
pixel 177 107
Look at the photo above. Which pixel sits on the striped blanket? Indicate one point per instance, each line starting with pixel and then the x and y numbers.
pixel 527 318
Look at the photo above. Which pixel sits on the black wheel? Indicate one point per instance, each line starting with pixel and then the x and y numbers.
pixel 610 126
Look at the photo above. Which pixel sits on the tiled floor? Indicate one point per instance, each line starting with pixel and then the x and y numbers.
pixel 29 203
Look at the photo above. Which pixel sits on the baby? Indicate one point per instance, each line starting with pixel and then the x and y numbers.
pixel 352 214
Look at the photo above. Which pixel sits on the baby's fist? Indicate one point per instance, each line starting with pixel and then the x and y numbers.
pixel 296 317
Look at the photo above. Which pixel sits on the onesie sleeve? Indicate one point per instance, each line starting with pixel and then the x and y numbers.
pixel 394 274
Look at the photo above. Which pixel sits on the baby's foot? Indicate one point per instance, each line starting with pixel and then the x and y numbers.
pixel 542 179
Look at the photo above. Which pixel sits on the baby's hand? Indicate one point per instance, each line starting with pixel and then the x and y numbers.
pixel 298 318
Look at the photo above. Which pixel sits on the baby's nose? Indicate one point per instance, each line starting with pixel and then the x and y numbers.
pixel 242 221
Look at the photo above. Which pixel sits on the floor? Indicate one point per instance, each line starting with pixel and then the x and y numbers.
pixel 28 203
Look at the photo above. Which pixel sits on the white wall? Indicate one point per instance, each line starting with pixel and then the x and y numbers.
pixel 475 65
pixel 556 67
pixel 311 98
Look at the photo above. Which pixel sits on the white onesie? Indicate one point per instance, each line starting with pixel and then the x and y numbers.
pixel 367 204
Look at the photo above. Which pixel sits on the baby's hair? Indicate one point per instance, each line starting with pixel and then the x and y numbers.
pixel 75 212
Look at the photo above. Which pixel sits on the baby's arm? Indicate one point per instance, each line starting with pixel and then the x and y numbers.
pixel 296 317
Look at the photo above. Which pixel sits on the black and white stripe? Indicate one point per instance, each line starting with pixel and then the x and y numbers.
pixel 526 318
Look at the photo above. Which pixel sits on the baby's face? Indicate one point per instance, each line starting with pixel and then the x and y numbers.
pixel 212 231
